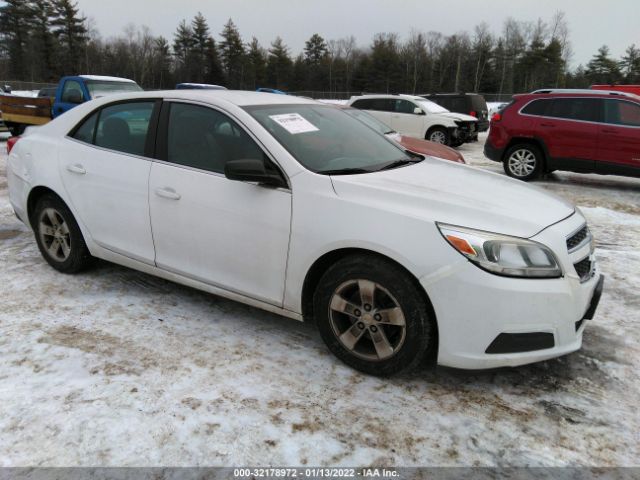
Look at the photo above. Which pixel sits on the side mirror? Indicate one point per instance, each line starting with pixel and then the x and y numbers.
pixel 7 89
pixel 252 170
pixel 418 111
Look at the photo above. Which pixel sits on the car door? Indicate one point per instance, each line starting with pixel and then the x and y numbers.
pixel 404 120
pixel 569 130
pixel 226 233
pixel 619 136
pixel 71 96
pixel 105 164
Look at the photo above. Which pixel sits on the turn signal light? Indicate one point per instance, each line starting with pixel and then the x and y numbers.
pixel 461 245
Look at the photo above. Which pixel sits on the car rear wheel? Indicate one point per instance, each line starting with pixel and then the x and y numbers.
pixel 523 162
pixel 373 317
pixel 438 135
pixel 59 237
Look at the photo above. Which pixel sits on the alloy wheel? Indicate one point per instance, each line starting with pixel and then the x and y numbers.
pixel 54 234
pixel 438 136
pixel 522 162
pixel 367 320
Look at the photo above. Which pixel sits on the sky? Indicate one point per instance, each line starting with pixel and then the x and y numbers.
pixel 592 22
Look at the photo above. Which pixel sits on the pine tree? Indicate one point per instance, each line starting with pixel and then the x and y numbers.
pixel 200 45
pixel 15 25
pixel 162 63
pixel 602 68
pixel 256 65
pixel 279 64
pixel 71 32
pixel 630 64
pixel 183 44
pixel 315 49
pixel 232 55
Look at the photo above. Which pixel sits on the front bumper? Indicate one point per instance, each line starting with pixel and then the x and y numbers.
pixel 464 132
pixel 474 308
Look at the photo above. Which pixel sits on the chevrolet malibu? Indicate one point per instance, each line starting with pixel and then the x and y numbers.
pixel 297 208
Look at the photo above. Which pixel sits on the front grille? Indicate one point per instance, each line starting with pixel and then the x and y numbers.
pixel 577 238
pixel 583 269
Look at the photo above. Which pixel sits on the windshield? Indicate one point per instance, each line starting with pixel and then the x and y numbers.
pixel 369 120
pixel 98 88
pixel 326 140
pixel 431 107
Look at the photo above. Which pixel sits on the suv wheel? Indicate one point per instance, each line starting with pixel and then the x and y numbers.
pixel 523 162
pixel 58 236
pixel 438 135
pixel 373 317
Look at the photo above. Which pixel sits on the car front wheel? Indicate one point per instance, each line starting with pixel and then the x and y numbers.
pixel 373 317
pixel 523 162
pixel 438 135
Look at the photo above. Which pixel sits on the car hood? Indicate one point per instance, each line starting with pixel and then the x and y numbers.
pixel 447 192
pixel 459 116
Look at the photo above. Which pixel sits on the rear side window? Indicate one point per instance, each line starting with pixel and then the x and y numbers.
pixel 204 138
pixel 537 107
pixel 584 109
pixel 459 105
pixel 618 112
pixel 85 132
pixel 123 127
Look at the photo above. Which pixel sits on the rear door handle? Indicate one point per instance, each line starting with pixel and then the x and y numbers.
pixel 76 168
pixel 606 130
pixel 169 193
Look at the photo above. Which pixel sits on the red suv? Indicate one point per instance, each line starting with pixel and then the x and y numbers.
pixel 585 131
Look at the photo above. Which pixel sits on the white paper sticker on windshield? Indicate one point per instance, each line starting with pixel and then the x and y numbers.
pixel 294 123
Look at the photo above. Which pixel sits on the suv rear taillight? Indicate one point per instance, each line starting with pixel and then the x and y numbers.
pixel 496 117
pixel 10 143
pixel 473 113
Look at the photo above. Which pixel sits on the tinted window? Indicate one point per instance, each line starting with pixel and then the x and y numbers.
pixel 362 104
pixel 124 127
pixel 459 105
pixel 618 112
pixel 72 92
pixel 204 138
pixel 84 133
pixel 478 103
pixel 585 109
pixel 537 107
pixel 403 106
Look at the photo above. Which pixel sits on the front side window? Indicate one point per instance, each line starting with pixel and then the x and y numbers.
pixel 404 106
pixel 204 138
pixel 618 112
pixel 123 127
pixel 72 92
pixel 583 109
pixel 325 139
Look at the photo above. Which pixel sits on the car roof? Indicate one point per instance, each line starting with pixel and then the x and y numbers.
pixel 568 92
pixel 236 97
pixel 388 95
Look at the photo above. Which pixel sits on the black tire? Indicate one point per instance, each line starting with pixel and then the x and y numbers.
pixel 410 344
pixel 75 256
pixel 16 129
pixel 438 135
pixel 523 161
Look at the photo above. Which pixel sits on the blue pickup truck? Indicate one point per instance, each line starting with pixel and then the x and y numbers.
pixel 19 112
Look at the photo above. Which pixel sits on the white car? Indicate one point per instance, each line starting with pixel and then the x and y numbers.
pixel 418 117
pixel 298 208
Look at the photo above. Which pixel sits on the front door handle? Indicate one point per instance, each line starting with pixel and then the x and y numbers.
pixel 76 168
pixel 169 193
pixel 548 125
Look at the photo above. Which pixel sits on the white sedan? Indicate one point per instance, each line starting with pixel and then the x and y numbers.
pixel 297 208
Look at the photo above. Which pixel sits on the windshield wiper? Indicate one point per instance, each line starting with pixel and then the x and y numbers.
pixel 399 163
pixel 344 171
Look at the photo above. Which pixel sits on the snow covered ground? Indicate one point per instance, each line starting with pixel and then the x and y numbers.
pixel 114 367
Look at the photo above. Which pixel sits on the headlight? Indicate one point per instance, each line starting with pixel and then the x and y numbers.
pixel 501 254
